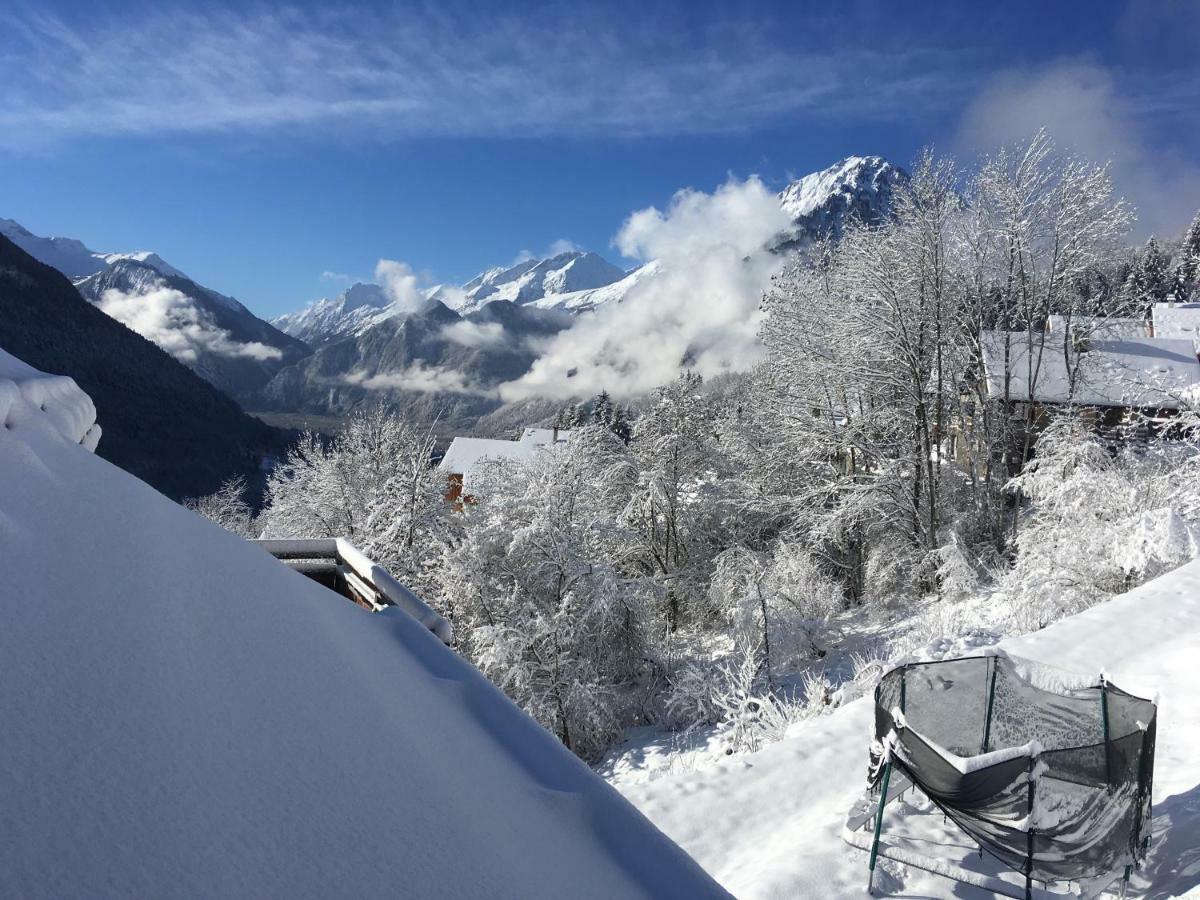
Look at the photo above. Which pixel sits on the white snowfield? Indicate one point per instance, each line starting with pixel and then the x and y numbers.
pixel 183 716
pixel 769 824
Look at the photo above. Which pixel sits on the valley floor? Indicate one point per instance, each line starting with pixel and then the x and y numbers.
pixel 769 824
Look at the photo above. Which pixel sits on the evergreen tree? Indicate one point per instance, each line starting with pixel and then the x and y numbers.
pixel 611 416
pixel 1149 282
pixel 570 417
pixel 1187 272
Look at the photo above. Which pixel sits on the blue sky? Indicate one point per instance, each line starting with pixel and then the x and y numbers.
pixel 259 146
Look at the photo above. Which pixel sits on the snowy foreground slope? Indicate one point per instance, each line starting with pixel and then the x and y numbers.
pixel 769 824
pixel 181 715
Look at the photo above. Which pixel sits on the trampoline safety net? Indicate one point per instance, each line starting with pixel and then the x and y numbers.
pixel 1069 800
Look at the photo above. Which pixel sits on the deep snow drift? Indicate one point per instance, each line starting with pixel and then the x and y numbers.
pixel 769 824
pixel 181 715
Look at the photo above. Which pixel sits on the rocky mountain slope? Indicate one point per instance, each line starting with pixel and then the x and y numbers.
pixel 821 204
pixel 160 421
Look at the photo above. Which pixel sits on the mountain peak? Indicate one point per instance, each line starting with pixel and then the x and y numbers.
pixel 361 294
pixel 858 186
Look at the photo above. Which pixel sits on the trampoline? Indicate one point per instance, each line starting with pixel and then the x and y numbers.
pixel 1051 778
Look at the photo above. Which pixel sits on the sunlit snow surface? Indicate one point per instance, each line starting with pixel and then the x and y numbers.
pixel 183 716
pixel 769 824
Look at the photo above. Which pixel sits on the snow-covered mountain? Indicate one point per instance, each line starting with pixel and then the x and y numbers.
pixel 67 255
pixel 350 312
pixel 567 281
pixel 215 335
pixel 822 203
pixel 350 327
pixel 72 257
pixel 439 362
pixel 536 279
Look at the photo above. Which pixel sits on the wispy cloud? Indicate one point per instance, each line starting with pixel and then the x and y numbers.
pixel 1087 109
pixel 557 70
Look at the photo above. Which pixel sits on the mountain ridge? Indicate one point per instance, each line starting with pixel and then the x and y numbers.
pixel 161 421
pixel 214 334
pixel 820 205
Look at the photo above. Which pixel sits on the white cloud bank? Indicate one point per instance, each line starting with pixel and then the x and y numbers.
pixel 475 334
pixel 1083 108
pixel 171 320
pixel 700 309
pixel 421 378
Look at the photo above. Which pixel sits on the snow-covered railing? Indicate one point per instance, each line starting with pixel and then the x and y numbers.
pixel 364 580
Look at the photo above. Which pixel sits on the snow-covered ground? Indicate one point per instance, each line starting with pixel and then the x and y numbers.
pixel 182 715
pixel 769 824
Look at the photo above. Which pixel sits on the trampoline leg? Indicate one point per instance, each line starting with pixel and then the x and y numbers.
pixel 1125 882
pixel 887 774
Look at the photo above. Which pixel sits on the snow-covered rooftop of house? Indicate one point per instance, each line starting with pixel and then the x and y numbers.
pixel 541 437
pixel 1136 372
pixel 1177 320
pixel 182 715
pixel 770 824
pixel 464 453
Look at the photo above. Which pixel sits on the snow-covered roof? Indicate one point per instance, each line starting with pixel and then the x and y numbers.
pixel 1136 372
pixel 541 437
pixel 464 453
pixel 1176 320
pixel 182 715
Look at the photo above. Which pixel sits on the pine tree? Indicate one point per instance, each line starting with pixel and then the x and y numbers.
pixel 611 416
pixel 1149 282
pixel 1187 272
pixel 570 417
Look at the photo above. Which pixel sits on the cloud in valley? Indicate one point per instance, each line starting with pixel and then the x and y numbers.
pixel 475 334
pixel 700 304
pixel 420 378
pixel 1085 109
pixel 171 320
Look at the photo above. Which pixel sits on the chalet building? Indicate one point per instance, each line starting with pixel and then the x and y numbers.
pixel 466 453
pixel 1110 369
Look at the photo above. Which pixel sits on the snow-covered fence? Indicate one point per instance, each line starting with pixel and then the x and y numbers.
pixel 365 580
